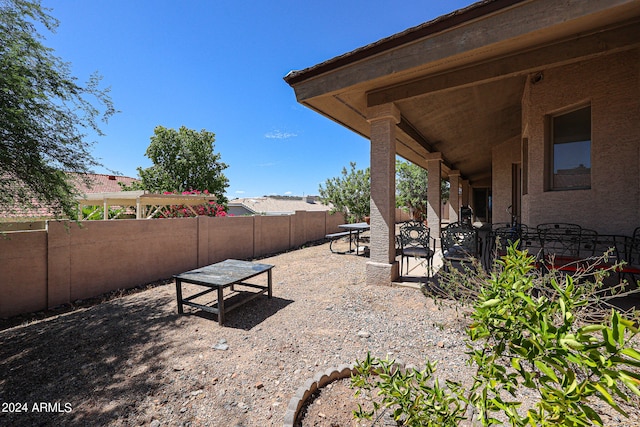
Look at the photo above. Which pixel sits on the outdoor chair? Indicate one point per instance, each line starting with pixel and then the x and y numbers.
pixel 621 250
pixel 560 244
pixel 615 248
pixel 459 243
pixel 501 237
pixel 631 269
pixel 415 241
pixel 510 234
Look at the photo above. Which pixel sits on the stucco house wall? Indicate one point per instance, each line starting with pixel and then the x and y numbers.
pixel 503 157
pixel 611 84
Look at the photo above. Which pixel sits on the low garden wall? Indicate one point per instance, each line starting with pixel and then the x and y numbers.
pixel 68 261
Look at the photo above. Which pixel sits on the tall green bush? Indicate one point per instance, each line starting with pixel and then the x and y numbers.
pixel 523 335
pixel 349 193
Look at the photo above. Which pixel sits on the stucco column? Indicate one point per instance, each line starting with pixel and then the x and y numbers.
pixel 454 198
pixel 382 267
pixel 434 198
pixel 466 192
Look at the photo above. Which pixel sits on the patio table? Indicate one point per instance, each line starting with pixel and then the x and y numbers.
pixel 356 229
pixel 217 277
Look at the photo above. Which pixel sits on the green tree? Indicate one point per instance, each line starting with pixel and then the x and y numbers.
pixel 349 193
pixel 43 110
pixel 412 183
pixel 183 160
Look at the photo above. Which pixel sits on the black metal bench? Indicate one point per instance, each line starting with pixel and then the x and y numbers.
pixel 334 236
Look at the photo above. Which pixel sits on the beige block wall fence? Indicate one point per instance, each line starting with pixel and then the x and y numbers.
pixel 66 261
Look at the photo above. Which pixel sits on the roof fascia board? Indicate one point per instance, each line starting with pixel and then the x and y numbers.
pixel 441 23
pixel 463 41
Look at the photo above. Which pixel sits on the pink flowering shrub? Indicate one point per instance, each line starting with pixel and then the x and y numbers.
pixel 206 209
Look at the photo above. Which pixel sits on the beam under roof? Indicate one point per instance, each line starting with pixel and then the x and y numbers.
pixel 588 46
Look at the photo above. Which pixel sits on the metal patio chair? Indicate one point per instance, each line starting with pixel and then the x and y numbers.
pixel 415 241
pixel 459 243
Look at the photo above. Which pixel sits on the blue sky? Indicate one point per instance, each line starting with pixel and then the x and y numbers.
pixel 219 66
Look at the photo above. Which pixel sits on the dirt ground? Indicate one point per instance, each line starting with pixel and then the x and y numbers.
pixel 133 360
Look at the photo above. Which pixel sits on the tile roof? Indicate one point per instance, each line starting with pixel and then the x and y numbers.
pixel 99 183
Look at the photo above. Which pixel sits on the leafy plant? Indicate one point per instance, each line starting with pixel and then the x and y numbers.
pixel 417 397
pixel 523 335
pixel 412 184
pixel 349 194
pixel 44 111
pixel 183 160
pixel 96 213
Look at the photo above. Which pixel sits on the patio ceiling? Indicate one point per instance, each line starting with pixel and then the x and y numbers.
pixel 458 81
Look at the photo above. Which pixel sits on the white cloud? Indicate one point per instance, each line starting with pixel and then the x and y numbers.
pixel 278 134
pixel 240 192
pixel 288 193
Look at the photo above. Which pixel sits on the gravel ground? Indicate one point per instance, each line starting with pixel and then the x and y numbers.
pixel 134 361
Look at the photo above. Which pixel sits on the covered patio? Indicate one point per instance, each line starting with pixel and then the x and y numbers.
pixel 473 96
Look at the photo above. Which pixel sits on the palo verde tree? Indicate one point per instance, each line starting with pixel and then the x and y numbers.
pixel 349 193
pixel 183 160
pixel 412 183
pixel 43 112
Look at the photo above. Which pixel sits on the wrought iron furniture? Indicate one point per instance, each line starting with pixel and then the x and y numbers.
pixel 631 269
pixel 415 241
pixel 353 231
pixel 217 277
pixel 459 243
pixel 571 248
pixel 502 236
pixel 560 244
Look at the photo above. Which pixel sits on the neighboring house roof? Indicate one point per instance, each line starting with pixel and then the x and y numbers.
pixel 101 183
pixel 269 205
pixel 98 183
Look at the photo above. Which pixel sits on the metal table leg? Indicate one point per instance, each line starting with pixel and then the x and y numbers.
pixel 179 295
pixel 220 306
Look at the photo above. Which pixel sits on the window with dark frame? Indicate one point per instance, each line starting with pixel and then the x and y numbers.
pixel 571 150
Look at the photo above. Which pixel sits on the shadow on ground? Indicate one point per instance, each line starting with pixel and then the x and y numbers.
pixel 248 315
pixel 87 366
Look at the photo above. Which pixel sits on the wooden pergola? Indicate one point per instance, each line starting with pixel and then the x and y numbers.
pixel 146 205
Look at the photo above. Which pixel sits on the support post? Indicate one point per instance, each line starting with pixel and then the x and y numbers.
pixel 454 199
pixel 466 192
pixel 382 267
pixel 434 198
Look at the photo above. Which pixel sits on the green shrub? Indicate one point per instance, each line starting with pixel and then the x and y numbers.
pixel 524 334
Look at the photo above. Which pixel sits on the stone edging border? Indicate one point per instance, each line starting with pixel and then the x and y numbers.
pixel 310 386
pixel 320 380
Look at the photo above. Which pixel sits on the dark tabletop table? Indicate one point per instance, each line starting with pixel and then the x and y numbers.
pixel 356 229
pixel 217 277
